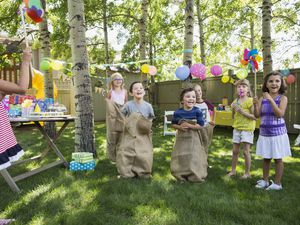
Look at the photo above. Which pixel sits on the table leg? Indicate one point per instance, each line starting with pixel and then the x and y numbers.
pixel 9 180
pixel 51 143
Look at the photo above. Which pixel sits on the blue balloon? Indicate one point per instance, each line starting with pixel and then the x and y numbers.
pixel 285 72
pixel 182 72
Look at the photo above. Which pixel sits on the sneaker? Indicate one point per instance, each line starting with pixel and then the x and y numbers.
pixel 262 184
pixel 275 187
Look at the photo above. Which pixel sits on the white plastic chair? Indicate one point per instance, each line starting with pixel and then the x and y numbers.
pixel 166 122
pixel 297 141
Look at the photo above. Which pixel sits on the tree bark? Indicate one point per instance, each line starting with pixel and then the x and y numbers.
pixel 105 31
pixel 50 127
pixel 201 33
pixel 188 38
pixel 143 41
pixel 266 35
pixel 84 122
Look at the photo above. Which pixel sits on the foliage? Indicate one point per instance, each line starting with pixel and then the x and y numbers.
pixel 57 196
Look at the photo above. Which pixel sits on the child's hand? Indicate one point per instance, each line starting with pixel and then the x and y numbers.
pixel 185 126
pixel 255 100
pixel 2 95
pixel 266 95
pixel 212 123
pixel 235 107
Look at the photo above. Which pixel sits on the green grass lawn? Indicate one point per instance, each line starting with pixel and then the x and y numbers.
pixel 58 196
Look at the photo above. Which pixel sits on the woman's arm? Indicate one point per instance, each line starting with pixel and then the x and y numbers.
pixel 22 86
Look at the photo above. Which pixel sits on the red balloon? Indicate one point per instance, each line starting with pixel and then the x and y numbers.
pixel 290 79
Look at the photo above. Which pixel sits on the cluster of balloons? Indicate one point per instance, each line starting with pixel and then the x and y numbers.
pixel 251 59
pixel 152 70
pixel 33 11
pixel 47 64
pixel 197 70
pixel 227 79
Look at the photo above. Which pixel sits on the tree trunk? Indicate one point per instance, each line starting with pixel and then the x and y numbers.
pixel 266 35
pixel 50 127
pixel 105 31
pixel 84 122
pixel 252 37
pixel 143 41
pixel 201 33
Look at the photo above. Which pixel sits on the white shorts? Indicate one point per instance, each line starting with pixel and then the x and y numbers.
pixel 240 136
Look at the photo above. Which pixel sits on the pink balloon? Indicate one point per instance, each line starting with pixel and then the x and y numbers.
pixel 290 79
pixel 152 70
pixel 198 70
pixel 216 70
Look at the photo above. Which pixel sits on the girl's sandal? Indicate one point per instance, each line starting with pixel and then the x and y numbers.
pixel 245 177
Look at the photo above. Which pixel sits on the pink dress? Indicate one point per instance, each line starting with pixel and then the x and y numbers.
pixel 10 150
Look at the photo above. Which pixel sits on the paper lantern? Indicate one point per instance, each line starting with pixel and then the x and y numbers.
pixel 152 70
pixel 242 74
pixel 45 65
pixel 216 70
pixel 145 68
pixel 290 79
pixel 182 72
pixel 225 79
pixel 198 70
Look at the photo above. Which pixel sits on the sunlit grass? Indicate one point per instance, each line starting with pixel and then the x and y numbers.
pixel 58 196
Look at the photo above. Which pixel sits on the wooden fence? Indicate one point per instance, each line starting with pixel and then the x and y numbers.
pixel 168 95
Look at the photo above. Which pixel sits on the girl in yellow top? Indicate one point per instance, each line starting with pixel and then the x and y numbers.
pixel 244 126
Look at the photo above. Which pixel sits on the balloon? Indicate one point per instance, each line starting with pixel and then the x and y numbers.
pixel 290 79
pixel 216 70
pixel 225 79
pixel 182 72
pixel 152 70
pixel 56 65
pixel 242 74
pixel 145 68
pixel 45 65
pixel 198 70
pixel 285 72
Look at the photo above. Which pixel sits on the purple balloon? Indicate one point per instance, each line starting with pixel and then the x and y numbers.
pixel 216 70
pixel 182 72
pixel 198 70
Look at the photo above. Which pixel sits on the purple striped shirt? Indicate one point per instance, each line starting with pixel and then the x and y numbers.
pixel 270 124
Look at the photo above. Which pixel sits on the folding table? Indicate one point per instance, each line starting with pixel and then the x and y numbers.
pixel 11 181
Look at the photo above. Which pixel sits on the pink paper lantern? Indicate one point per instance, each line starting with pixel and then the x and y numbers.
pixel 152 70
pixel 216 70
pixel 198 70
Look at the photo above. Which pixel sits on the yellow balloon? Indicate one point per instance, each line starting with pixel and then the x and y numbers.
pixel 225 79
pixel 242 74
pixel 145 68
pixel 56 65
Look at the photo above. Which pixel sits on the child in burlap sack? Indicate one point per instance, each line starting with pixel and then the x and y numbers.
pixel 116 98
pixel 135 155
pixel 189 158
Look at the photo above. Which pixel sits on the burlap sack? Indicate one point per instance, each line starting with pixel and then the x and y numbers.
pixel 206 134
pixel 114 128
pixel 143 125
pixel 135 155
pixel 189 158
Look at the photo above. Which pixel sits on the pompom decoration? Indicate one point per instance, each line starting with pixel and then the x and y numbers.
pixel 45 65
pixel 225 79
pixel 56 65
pixel 242 74
pixel 182 72
pixel 145 68
pixel 152 70
pixel 216 70
pixel 290 79
pixel 198 70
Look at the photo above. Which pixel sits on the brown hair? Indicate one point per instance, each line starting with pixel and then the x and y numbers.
pixel 184 91
pixel 283 86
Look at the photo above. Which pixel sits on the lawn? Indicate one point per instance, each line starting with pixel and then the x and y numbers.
pixel 58 196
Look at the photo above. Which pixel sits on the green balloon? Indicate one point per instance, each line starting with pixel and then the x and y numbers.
pixel 45 65
pixel 242 74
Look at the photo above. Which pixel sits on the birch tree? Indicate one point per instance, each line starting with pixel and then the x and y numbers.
pixel 45 53
pixel 84 122
pixel 266 35
pixel 142 31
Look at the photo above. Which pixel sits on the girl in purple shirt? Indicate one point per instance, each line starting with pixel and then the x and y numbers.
pixel 273 141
